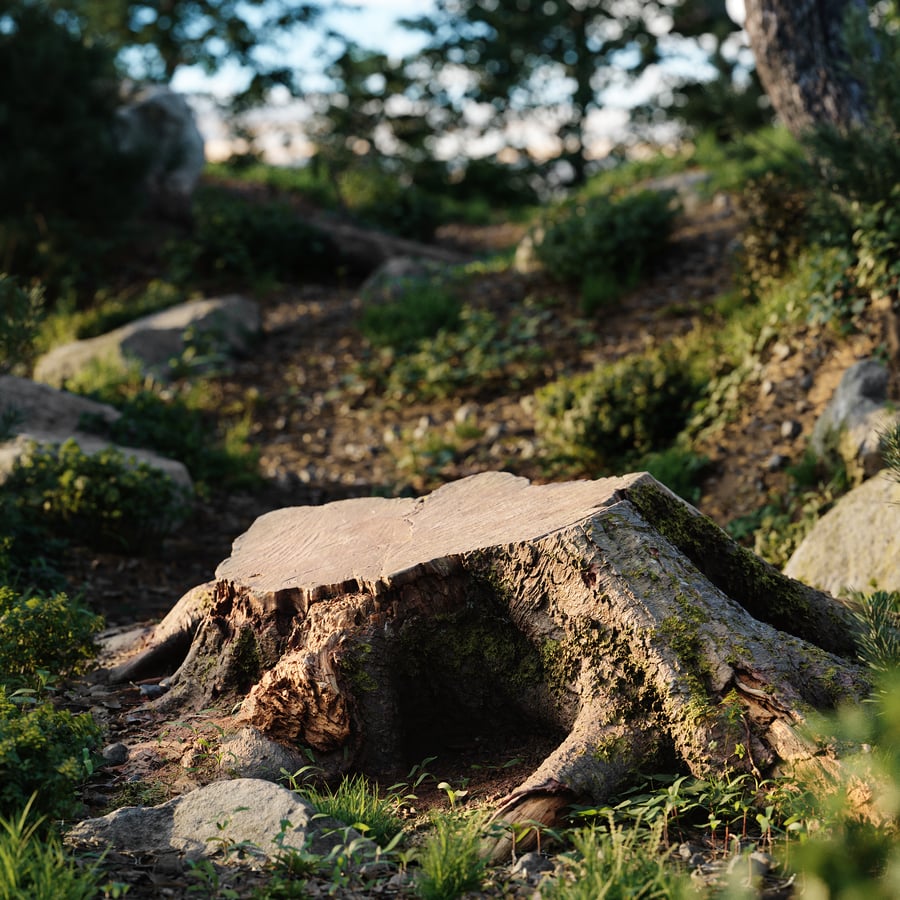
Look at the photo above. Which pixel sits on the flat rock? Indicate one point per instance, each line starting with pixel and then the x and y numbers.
pixel 856 545
pixel 228 323
pixel 45 415
pixel 230 812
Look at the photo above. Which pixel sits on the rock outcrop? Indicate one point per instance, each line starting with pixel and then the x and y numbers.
pixel 855 546
pixel 43 415
pixel 212 327
pixel 262 817
pixel 855 418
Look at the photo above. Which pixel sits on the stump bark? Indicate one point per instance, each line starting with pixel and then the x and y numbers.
pixel 375 631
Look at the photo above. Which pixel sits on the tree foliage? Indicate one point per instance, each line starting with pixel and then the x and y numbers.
pixel 155 38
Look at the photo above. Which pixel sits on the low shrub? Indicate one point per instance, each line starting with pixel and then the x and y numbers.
pixel 235 240
pixel 618 412
pixel 177 427
pixel 481 351
pixel 774 230
pixel 22 309
pixel 386 200
pixel 44 752
pixel 102 500
pixel 43 633
pixel 606 241
pixel 420 311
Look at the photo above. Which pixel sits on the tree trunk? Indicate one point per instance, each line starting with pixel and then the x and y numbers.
pixel 608 612
pixel 801 60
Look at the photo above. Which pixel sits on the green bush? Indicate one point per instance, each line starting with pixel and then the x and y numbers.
pixel 234 239
pixel 19 323
pixel 44 752
pixel 774 230
pixel 481 351
pixel 876 242
pixel 386 201
pixel 618 412
pixel 101 500
pixel 174 428
pixel 39 632
pixel 420 311
pixel 609 238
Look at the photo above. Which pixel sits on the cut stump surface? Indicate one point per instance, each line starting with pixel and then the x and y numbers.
pixel 609 612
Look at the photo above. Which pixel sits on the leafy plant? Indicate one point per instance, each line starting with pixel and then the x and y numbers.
pixel 604 242
pixel 39 633
pixel 103 500
pixel 774 230
pixel 777 528
pixel 44 752
pixel 178 424
pixel 679 468
pixel 22 309
pixel 34 865
pixel 237 240
pixel 618 412
pixel 450 858
pixel 616 862
pixel 419 312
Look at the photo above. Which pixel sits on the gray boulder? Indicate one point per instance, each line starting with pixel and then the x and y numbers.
pixel 855 418
pixel 44 415
pixel 159 125
pixel 856 545
pixel 221 324
pixel 261 816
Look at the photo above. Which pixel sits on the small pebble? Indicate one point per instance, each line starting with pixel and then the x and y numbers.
pixel 776 461
pixel 790 429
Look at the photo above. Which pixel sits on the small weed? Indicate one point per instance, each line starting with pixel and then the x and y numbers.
pixel 616 861
pixel 357 802
pixel 33 864
pixel 450 857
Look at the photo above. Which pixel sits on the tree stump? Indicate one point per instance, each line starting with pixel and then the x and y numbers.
pixel 609 611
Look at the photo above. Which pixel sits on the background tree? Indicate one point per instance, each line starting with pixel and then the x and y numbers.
pixel 803 62
pixel 153 39
pixel 730 103
pixel 516 58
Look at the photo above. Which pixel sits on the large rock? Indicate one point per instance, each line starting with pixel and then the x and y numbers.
pixel 159 125
pixel 855 418
pixel 856 545
pixel 222 324
pixel 44 415
pixel 246 811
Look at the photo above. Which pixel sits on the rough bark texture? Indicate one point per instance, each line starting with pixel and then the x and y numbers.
pixel 800 57
pixel 610 612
